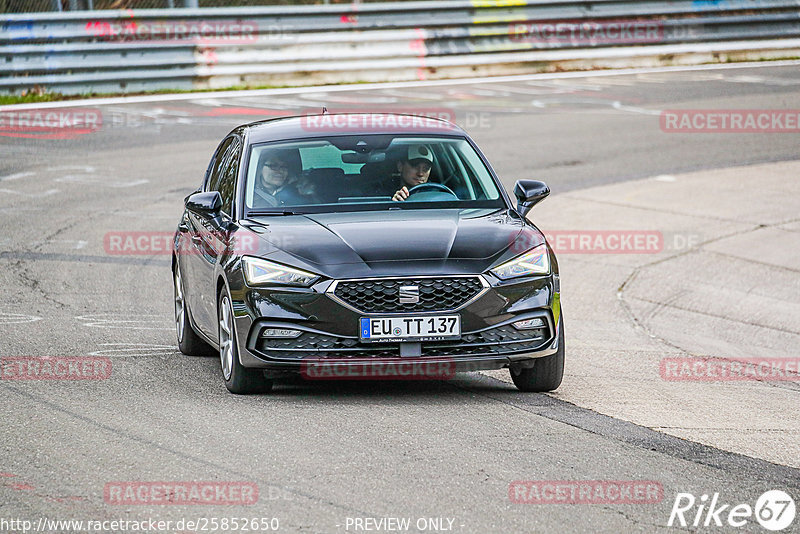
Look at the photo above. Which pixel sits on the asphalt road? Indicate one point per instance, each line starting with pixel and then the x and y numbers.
pixel 326 454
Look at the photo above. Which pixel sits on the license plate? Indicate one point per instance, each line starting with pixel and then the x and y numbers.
pixel 428 328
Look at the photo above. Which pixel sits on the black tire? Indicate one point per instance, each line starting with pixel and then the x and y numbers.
pixel 189 342
pixel 546 373
pixel 238 379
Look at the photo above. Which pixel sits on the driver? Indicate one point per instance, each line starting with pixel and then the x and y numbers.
pixel 275 183
pixel 414 170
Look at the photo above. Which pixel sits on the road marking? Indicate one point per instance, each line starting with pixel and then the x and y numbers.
pixel 16 176
pixel 134 349
pixel 17 318
pixel 763 80
pixel 138 214
pixel 82 258
pixel 634 109
pixel 611 82
pixel 564 86
pixel 99 180
pixel 75 244
pixel 31 195
pixel 84 168
pixel 353 100
pixel 125 321
pixel 412 95
pixel 393 85
pixel 615 104
pixel 537 89
pixel 86 175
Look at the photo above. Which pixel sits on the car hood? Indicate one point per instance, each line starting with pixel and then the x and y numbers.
pixel 389 242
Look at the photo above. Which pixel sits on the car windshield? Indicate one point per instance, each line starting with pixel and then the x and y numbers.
pixel 355 173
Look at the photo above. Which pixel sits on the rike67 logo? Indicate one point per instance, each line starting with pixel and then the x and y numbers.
pixel 774 510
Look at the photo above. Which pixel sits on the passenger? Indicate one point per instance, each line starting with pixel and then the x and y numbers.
pixel 413 170
pixel 277 173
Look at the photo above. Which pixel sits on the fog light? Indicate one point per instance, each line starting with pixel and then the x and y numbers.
pixel 280 332
pixel 529 324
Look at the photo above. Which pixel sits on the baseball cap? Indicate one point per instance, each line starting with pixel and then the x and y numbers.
pixel 419 152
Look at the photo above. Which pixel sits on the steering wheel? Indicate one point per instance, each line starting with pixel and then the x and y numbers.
pixel 430 187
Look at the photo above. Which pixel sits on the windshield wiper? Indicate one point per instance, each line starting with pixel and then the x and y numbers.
pixel 282 212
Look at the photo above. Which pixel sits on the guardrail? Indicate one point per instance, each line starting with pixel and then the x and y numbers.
pixel 126 51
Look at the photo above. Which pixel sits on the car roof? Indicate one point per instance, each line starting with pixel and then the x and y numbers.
pixel 336 124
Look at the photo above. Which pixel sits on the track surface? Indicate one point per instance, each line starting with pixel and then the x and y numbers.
pixel 323 453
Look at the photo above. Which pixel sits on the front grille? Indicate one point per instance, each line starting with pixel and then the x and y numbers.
pixel 383 295
pixel 325 346
pixel 496 341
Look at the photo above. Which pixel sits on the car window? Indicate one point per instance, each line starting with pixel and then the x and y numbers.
pixel 212 184
pixel 229 174
pixel 225 171
pixel 364 172
pixel 325 157
pixel 470 165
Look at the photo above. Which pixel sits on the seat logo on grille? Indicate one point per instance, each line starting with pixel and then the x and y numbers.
pixel 409 294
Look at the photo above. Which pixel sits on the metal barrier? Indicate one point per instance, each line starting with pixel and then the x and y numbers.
pixel 126 51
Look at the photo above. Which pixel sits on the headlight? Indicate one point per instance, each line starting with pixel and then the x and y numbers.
pixel 535 261
pixel 259 272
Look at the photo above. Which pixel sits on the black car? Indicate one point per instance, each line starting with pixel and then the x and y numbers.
pixel 301 251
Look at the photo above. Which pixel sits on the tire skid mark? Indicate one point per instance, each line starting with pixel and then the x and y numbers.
pixel 737 467
pixel 24 486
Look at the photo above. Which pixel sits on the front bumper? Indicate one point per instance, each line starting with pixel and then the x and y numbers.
pixel 330 329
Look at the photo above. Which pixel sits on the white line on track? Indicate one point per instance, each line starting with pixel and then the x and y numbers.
pixel 99 180
pixel 31 195
pixel 133 349
pixel 76 244
pixel 391 85
pixel 125 321
pixel 16 318
pixel 16 176
pixel 534 90
pixel 634 109
pixel 84 168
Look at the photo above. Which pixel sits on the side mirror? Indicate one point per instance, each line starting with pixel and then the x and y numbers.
pixel 209 203
pixel 529 193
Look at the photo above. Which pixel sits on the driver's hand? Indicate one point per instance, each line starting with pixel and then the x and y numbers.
pixel 401 194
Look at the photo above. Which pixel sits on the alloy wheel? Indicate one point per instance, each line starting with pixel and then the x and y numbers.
pixel 226 338
pixel 180 305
